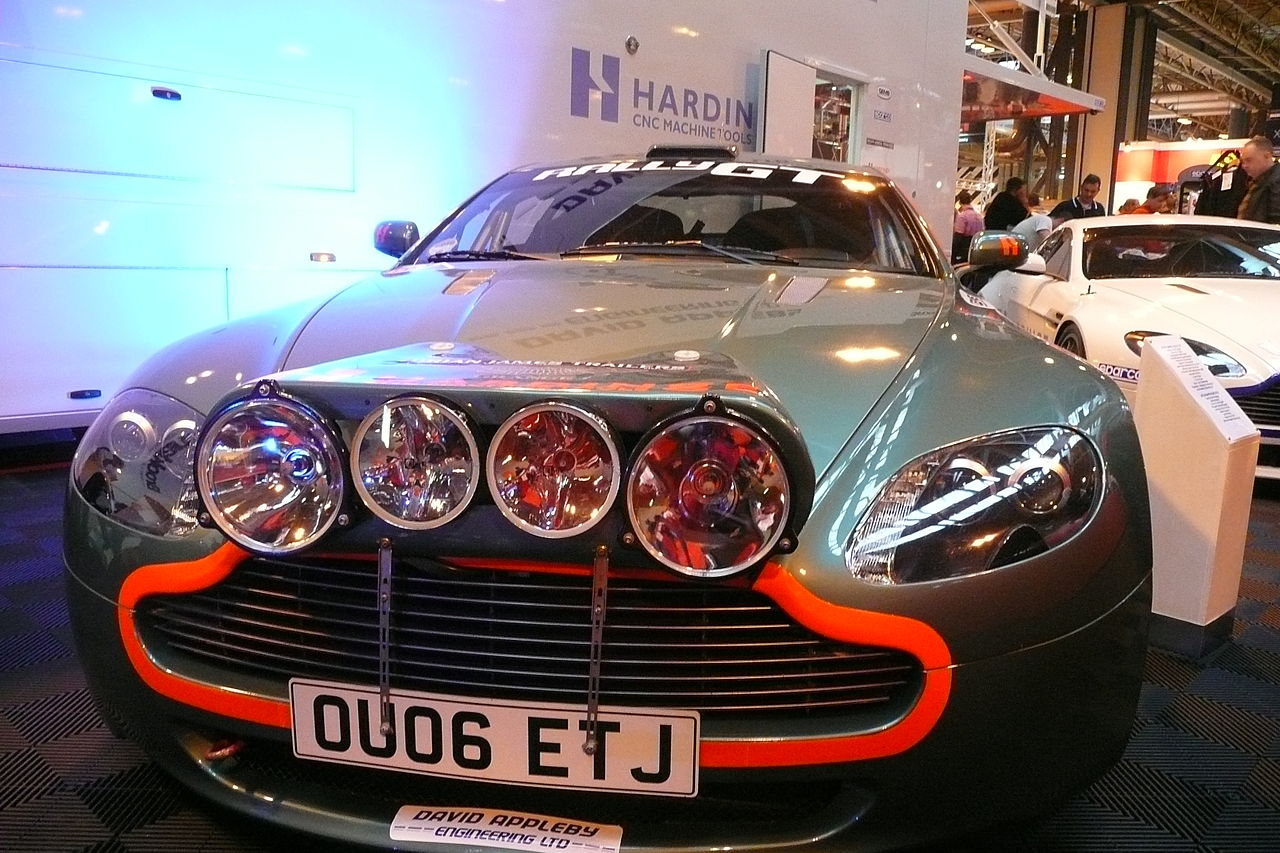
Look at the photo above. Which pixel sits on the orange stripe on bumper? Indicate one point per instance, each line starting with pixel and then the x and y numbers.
pixel 851 626
pixel 163 578
pixel 839 623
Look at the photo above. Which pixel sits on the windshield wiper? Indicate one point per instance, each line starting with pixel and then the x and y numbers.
pixel 741 254
pixel 480 255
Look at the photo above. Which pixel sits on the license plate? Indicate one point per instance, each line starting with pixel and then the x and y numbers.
pixel 649 752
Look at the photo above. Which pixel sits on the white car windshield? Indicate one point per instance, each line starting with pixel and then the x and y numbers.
pixel 1182 250
pixel 717 210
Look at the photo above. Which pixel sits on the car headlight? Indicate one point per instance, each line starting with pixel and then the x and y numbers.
pixel 134 463
pixel 1218 362
pixel 708 496
pixel 977 505
pixel 416 463
pixel 554 469
pixel 270 473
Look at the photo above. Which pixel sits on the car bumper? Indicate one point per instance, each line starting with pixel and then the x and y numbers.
pixel 1011 735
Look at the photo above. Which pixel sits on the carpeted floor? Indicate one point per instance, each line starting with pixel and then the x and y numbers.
pixel 1202 771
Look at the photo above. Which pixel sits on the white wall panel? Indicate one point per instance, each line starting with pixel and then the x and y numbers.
pixel 55 341
pixel 78 120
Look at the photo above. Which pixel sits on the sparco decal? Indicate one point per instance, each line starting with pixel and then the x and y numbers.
pixel 656 104
pixel 1116 371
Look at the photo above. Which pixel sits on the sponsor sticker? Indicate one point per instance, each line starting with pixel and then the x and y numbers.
pixel 975 300
pixel 501 828
pixel 879 143
pixel 1117 371
pixel 756 171
pixel 882 115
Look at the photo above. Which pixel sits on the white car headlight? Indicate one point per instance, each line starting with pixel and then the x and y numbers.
pixel 1218 362
pixel 134 463
pixel 977 505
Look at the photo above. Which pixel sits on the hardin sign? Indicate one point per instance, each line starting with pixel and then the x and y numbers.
pixel 598 90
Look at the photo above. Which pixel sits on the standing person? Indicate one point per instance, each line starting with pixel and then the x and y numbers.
pixel 1036 226
pixel 1159 200
pixel 968 222
pixel 1009 207
pixel 1084 204
pixel 1261 202
pixel 1129 206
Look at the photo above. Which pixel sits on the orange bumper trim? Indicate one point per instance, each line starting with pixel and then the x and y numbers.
pixel 836 622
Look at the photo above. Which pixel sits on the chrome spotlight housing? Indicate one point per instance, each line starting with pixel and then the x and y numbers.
pixel 415 463
pixel 270 474
pixel 553 469
pixel 708 496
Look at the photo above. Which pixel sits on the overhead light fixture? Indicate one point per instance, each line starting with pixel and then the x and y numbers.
pixel 1183 120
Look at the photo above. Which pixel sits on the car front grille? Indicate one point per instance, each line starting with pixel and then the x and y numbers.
pixel 524 636
pixel 1263 408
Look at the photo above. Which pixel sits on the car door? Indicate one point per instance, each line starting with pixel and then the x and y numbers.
pixel 1045 299
pixel 1031 300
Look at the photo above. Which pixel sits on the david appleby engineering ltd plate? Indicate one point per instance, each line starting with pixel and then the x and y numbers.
pixel 500 828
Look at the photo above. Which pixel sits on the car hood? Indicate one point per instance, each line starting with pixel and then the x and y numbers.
pixel 826 344
pixel 1239 311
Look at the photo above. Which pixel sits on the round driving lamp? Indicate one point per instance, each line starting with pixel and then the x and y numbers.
pixel 708 496
pixel 269 472
pixel 553 469
pixel 416 463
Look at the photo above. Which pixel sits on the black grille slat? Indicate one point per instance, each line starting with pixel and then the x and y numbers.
pixel 1263 408
pixel 525 637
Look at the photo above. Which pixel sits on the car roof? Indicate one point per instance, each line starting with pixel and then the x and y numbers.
pixel 1171 219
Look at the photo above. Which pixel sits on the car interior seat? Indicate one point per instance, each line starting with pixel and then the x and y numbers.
pixel 1104 262
pixel 779 229
pixel 640 224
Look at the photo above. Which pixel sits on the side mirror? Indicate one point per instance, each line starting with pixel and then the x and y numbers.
pixel 395 237
pixel 1001 249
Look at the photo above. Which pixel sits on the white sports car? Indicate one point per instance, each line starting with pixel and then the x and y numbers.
pixel 1099 287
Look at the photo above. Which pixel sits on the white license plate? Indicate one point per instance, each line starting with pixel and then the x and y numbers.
pixel 654 752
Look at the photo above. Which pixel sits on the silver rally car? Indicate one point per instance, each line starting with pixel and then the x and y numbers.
pixel 679 501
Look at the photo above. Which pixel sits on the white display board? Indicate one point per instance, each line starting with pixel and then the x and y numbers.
pixel 1200 451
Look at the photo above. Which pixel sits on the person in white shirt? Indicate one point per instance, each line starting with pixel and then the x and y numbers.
pixel 1036 226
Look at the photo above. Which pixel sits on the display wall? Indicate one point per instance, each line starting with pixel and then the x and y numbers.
pixel 166 167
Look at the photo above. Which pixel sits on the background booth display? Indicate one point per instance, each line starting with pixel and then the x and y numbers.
pixel 167 169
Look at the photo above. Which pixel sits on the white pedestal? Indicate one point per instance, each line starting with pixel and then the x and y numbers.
pixel 1200 451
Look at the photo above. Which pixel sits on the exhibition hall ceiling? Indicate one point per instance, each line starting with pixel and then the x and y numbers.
pixel 1211 56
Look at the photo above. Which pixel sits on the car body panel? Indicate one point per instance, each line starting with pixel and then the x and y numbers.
pixel 852 337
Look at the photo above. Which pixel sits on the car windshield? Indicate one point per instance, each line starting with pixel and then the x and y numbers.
pixel 728 212
pixel 1187 250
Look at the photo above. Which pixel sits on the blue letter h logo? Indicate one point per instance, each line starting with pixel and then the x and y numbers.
pixel 583 83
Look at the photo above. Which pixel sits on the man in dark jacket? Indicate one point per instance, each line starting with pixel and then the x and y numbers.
pixel 1084 204
pixel 1008 208
pixel 1262 201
